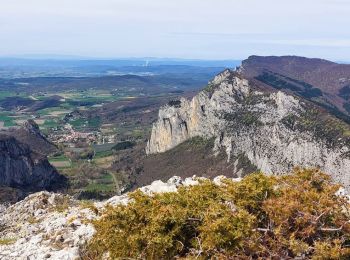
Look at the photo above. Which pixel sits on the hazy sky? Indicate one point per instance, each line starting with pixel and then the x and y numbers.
pixel 207 29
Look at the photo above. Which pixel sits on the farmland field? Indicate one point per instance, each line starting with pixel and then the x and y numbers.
pixel 94 121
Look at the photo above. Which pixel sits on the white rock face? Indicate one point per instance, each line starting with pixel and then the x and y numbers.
pixel 194 118
pixel 54 226
pixel 246 121
pixel 41 231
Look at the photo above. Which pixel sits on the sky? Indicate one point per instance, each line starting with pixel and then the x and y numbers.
pixel 190 29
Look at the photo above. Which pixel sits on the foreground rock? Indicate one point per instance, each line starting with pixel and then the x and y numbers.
pixel 44 225
pixel 54 226
pixel 272 130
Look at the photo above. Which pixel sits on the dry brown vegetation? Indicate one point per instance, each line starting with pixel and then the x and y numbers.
pixel 297 215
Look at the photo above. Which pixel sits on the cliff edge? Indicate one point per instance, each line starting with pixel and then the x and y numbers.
pixel 276 131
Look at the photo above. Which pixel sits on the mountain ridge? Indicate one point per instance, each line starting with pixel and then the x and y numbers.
pixel 274 129
pixel 322 82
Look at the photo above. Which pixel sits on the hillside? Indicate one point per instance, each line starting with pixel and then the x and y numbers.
pixel 323 82
pixel 23 164
pixel 274 130
pixel 192 157
pixel 30 134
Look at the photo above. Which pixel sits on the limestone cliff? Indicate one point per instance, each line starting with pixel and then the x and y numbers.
pixel 274 130
pixel 30 134
pixel 22 168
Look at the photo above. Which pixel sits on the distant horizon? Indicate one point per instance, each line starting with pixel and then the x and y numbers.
pixel 79 57
pixel 183 29
pixel 63 57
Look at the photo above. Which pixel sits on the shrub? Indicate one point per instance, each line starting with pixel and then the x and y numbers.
pixel 62 204
pixel 124 145
pixel 175 103
pixel 7 241
pixel 297 215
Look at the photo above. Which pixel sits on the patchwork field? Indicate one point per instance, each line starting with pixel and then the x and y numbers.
pixel 93 121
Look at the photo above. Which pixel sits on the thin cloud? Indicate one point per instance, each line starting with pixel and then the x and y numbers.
pixel 182 28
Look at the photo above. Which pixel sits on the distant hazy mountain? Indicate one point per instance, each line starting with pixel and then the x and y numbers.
pixel 86 62
pixel 22 68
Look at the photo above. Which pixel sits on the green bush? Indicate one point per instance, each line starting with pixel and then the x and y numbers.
pixel 297 215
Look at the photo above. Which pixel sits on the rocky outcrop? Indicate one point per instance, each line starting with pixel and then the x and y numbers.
pixel 44 226
pixel 30 134
pixel 22 168
pixel 198 117
pixel 274 130
pixel 55 226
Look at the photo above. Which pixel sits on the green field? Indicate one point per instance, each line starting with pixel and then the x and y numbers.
pixel 60 162
pixel 80 123
pixel 7 119
pixel 50 123
pixel 5 94
pixel 103 154
pixel 51 110
pixel 104 184
pixel 102 147
pixel 61 157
